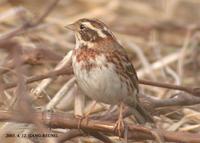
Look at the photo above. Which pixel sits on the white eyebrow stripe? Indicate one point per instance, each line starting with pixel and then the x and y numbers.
pixel 101 34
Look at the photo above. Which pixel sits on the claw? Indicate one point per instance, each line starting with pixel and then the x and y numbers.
pixel 119 127
pixel 85 117
pixel 80 119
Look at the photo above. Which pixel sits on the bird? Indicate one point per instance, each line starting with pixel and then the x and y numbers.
pixel 103 70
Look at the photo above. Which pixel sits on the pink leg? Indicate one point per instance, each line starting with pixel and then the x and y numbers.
pixel 119 125
pixel 86 116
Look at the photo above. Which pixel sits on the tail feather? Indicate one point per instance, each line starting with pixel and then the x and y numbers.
pixel 141 115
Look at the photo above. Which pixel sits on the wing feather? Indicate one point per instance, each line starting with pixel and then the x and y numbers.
pixel 125 63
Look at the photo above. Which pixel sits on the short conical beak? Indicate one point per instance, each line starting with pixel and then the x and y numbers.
pixel 71 27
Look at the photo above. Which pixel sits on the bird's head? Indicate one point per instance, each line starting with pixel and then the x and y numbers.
pixel 90 31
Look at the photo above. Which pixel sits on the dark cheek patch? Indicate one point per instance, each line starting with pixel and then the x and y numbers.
pixel 89 35
pixel 84 36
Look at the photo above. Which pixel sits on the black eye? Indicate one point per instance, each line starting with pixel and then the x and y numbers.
pixel 82 27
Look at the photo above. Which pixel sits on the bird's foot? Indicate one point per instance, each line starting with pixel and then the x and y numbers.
pixel 80 119
pixel 119 127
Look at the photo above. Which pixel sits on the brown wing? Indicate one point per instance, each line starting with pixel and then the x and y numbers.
pixel 130 70
pixel 124 63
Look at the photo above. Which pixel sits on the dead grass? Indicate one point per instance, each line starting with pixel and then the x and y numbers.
pixel 161 37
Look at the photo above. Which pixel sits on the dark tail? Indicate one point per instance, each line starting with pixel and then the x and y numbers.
pixel 141 115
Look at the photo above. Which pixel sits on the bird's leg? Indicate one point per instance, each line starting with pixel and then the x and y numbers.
pixel 90 110
pixel 86 116
pixel 119 125
pixel 80 118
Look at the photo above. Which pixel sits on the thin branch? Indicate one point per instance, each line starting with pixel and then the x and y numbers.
pixel 40 77
pixel 180 99
pixel 31 56
pixel 46 12
pixel 8 35
pixel 193 91
pixel 60 94
pixel 151 104
pixel 135 132
pixel 65 62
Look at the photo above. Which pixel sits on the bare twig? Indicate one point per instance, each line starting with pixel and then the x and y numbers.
pixel 169 59
pixel 67 103
pixel 12 12
pixel 40 77
pixel 32 56
pixel 179 99
pixel 65 62
pixel 136 132
pixel 193 91
pixel 6 36
pixel 60 94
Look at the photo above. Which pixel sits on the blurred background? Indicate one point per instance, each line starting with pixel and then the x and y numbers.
pixel 156 28
pixel 161 37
